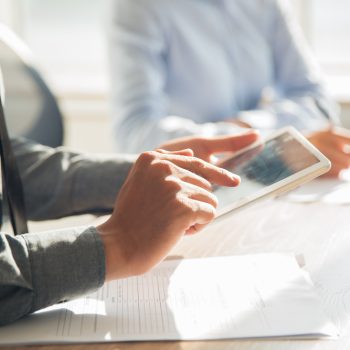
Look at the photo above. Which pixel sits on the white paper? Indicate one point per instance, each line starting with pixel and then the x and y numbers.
pixel 265 295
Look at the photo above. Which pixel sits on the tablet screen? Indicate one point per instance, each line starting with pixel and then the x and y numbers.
pixel 263 166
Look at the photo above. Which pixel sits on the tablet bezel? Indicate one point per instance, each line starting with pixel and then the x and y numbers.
pixel 287 184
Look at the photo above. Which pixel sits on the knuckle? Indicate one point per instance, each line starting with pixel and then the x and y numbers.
pixel 173 185
pixel 207 210
pixel 198 163
pixel 185 204
pixel 147 157
pixel 163 167
pixel 194 207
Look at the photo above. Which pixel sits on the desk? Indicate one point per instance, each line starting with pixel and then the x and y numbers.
pixel 320 232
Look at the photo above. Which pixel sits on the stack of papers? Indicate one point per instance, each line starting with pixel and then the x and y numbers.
pixel 254 296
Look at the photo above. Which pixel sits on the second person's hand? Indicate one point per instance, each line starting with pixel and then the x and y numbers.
pixel 334 143
pixel 206 147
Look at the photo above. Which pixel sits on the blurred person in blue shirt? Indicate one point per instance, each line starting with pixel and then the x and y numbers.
pixel 208 67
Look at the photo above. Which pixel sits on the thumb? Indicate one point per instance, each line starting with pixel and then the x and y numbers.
pixel 185 152
pixel 233 143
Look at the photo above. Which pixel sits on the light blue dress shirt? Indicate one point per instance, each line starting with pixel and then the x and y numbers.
pixel 184 67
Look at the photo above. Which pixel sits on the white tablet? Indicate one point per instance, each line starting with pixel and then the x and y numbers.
pixel 280 163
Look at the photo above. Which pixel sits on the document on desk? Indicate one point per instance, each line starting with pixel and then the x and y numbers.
pixel 252 296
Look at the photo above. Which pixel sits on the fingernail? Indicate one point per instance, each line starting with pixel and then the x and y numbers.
pixel 189 150
pixel 237 178
pixel 234 177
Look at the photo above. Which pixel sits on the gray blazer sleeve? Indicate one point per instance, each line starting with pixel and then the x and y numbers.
pixel 38 270
pixel 58 182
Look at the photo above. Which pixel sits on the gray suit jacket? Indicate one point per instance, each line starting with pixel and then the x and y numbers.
pixel 38 270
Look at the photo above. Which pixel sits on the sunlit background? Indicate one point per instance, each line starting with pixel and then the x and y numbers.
pixel 69 40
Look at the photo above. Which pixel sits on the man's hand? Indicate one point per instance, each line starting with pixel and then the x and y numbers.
pixel 205 148
pixel 335 145
pixel 166 195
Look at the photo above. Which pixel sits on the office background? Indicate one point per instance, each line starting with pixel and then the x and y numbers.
pixel 69 41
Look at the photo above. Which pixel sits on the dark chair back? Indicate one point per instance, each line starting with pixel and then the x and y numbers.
pixel 30 107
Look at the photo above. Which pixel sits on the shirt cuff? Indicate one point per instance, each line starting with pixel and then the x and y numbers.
pixel 65 264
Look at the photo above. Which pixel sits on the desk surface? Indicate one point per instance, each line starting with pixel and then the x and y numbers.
pixel 320 232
